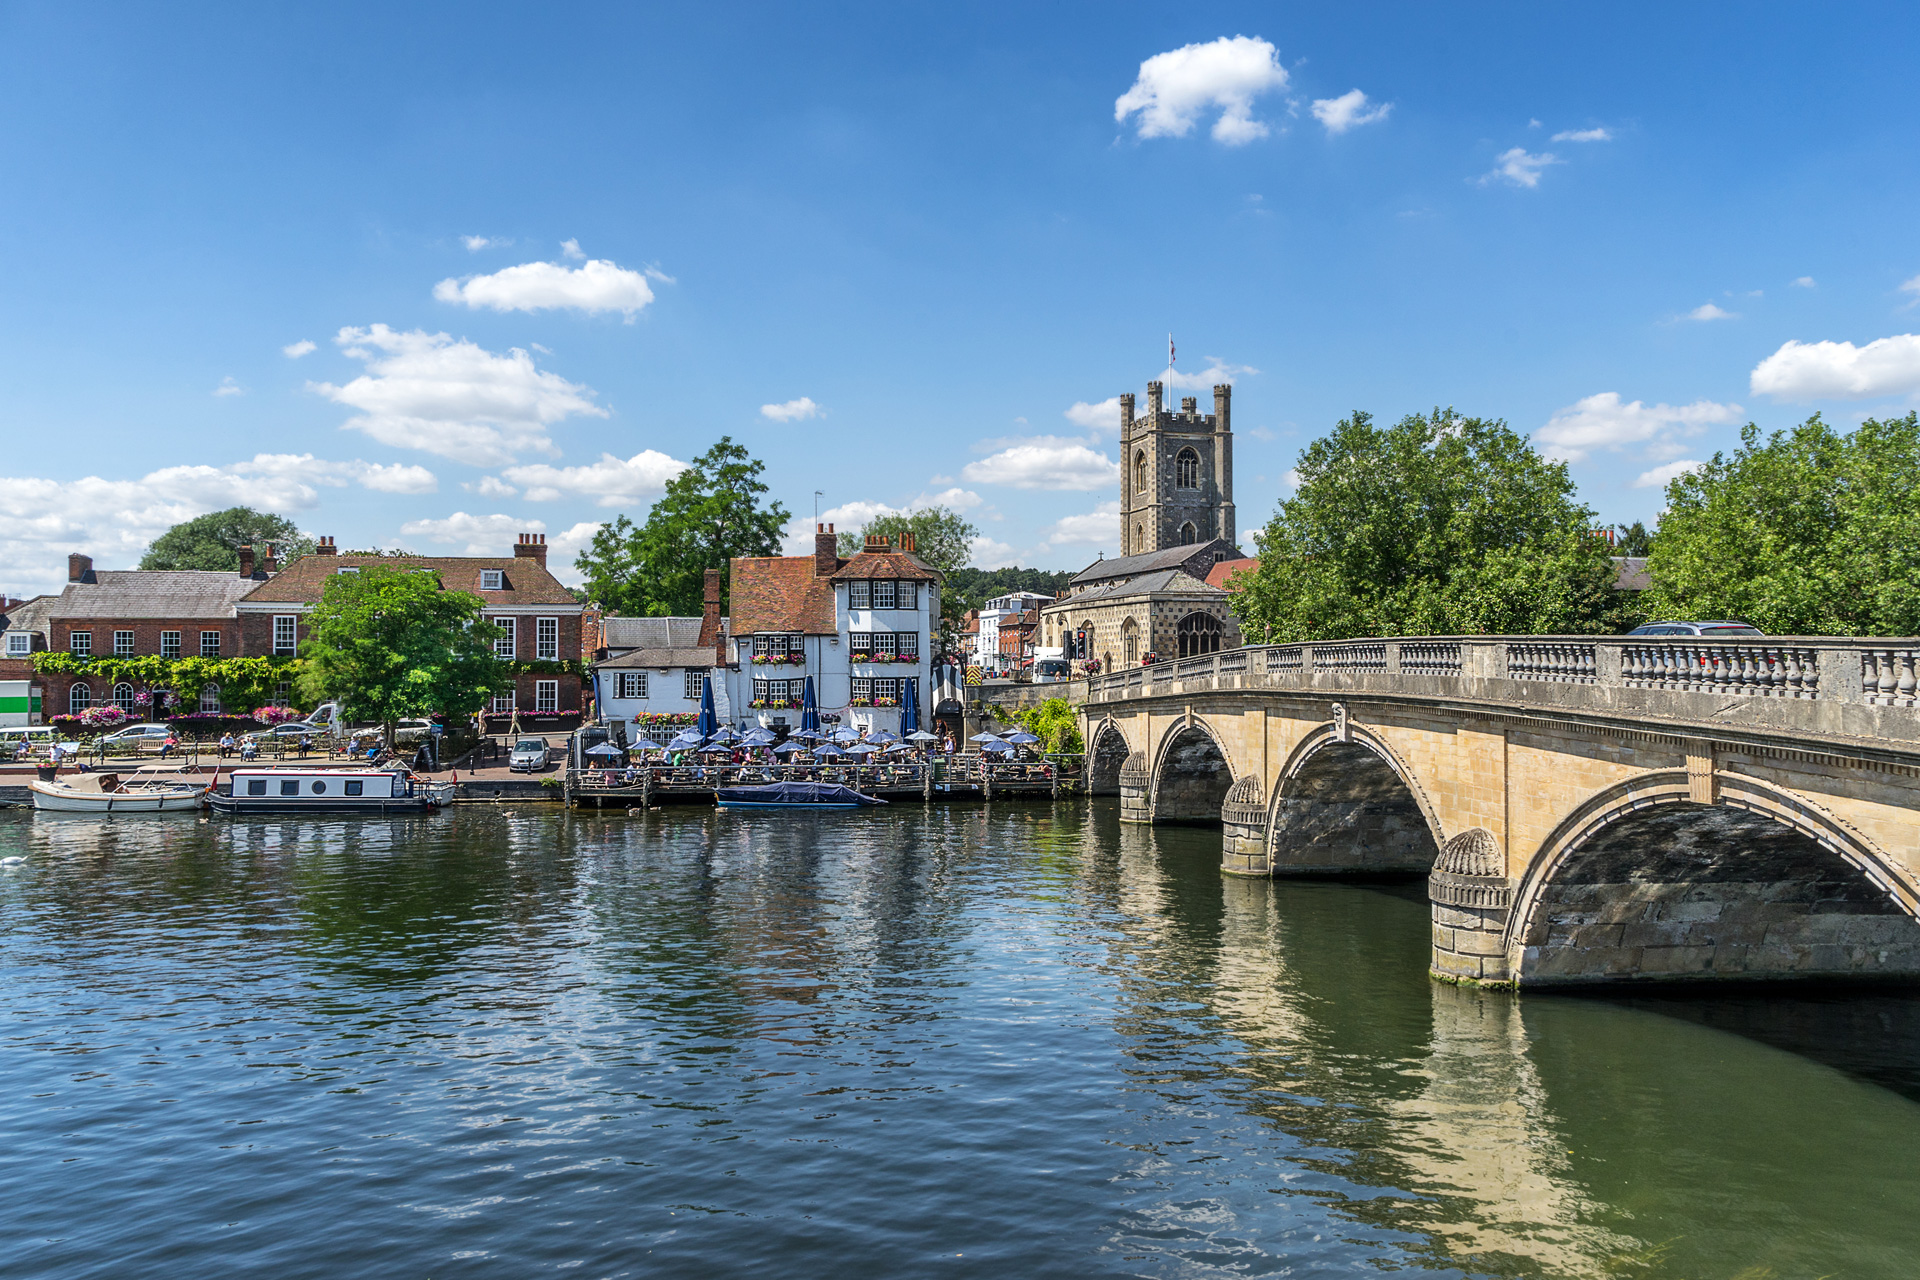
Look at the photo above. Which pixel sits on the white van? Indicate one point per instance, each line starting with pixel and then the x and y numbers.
pixel 40 740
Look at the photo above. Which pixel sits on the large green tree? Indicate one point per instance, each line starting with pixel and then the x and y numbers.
pixel 390 644
pixel 941 536
pixel 213 541
pixel 1439 525
pixel 710 513
pixel 1802 532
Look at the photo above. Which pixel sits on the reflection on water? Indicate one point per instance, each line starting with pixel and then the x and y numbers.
pixel 1029 1041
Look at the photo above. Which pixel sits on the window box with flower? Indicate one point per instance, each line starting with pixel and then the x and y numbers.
pixel 860 702
pixel 779 660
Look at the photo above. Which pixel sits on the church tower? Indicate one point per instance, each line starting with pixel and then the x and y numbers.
pixel 1176 473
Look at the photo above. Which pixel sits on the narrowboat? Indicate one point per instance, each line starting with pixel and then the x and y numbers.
pixel 291 789
pixel 794 795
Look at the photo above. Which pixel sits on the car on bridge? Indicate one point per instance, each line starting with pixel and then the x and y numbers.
pixel 1708 630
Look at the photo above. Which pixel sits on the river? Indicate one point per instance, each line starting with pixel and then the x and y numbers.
pixel 1027 1042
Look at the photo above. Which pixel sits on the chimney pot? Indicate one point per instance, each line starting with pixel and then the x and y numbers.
pixel 325 547
pixel 270 562
pixel 79 567
pixel 531 546
pixel 826 552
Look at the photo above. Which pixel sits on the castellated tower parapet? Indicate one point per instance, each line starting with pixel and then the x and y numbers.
pixel 1176 472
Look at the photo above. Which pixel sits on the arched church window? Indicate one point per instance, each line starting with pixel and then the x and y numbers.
pixel 1130 641
pixel 1139 539
pixel 1188 534
pixel 1140 470
pixel 1186 469
pixel 1197 634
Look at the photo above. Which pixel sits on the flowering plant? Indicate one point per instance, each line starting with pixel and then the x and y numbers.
pixel 779 660
pixel 862 656
pixel 275 715
pixel 104 716
pixel 886 702
pixel 667 719
pixel 860 702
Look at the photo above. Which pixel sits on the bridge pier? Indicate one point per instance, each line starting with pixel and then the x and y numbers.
pixel 1472 901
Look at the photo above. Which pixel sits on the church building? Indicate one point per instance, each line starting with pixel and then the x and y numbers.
pixel 1176 526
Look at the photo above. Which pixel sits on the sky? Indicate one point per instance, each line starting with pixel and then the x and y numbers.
pixel 431 276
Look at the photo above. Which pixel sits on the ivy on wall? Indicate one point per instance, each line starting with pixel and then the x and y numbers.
pixel 245 683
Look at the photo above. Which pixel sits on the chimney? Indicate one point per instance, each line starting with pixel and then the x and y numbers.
pixel 325 547
pixel 710 633
pixel 826 551
pixel 79 567
pixel 906 541
pixel 533 546
pixel 1154 390
pixel 877 542
pixel 1223 408
pixel 270 563
pixel 246 562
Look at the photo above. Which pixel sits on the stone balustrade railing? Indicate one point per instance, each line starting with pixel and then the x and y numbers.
pixel 1683 676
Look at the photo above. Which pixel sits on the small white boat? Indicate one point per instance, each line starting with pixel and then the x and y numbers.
pixel 310 789
pixel 145 791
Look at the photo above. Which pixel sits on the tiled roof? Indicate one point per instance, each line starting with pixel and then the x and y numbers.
pixel 652 633
pixel 1219 575
pixel 30 615
pixel 1165 582
pixel 1630 573
pixel 780 593
pixel 152 593
pixel 675 657
pixel 527 580
pixel 903 565
pixel 1147 562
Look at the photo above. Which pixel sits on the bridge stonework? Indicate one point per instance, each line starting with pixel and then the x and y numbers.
pixel 1583 810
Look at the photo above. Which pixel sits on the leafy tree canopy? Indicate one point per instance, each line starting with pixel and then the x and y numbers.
pixel 941 537
pixel 971 588
pixel 710 513
pixel 213 541
pixel 390 644
pixel 1631 539
pixel 1804 532
pixel 1055 723
pixel 1440 525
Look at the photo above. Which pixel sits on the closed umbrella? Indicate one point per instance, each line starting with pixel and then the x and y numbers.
pixel 809 708
pixel 910 707
pixel 708 721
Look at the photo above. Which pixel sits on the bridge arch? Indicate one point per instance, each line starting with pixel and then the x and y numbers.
pixel 1657 877
pixel 1347 804
pixel 1107 752
pixel 1192 773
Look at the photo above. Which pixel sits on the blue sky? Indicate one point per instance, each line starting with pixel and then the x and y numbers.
pixel 925 227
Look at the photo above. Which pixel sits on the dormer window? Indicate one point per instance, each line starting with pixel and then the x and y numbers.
pixel 350 569
pixel 491 580
pixel 19 644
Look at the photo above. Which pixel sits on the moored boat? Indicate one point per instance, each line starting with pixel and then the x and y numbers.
pixel 795 795
pixel 292 789
pixel 144 791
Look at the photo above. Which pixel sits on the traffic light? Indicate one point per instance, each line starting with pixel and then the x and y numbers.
pixel 1080 644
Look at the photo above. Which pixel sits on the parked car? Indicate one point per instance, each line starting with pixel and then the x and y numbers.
pixel 134 737
pixel 528 755
pixel 292 729
pixel 411 730
pixel 1711 630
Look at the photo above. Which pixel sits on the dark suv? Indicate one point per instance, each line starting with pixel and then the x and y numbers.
pixel 1709 630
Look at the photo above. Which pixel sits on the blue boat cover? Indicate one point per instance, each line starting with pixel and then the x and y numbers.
pixel 796 793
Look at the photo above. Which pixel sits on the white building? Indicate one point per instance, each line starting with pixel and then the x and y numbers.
pixel 986 644
pixel 653 666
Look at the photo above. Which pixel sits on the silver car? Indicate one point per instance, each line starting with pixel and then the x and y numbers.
pixel 528 755
pixel 1709 630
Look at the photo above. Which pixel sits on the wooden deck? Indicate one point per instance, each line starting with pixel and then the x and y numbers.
pixel 967 779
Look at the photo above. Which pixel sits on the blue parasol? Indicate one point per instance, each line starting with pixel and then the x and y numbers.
pixel 708 721
pixel 828 749
pixel 910 707
pixel 809 708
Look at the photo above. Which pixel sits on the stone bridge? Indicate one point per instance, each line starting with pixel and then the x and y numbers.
pixel 1584 810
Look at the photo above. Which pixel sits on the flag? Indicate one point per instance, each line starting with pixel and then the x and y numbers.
pixel 1169 351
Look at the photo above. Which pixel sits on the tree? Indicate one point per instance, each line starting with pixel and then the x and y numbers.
pixel 1631 539
pixel 1807 532
pixel 709 514
pixel 213 541
pixel 389 644
pixel 1441 525
pixel 941 537
pixel 1055 723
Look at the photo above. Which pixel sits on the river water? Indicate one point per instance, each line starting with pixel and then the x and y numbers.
pixel 1029 1042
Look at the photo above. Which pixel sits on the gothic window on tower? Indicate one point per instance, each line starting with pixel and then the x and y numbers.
pixel 1188 534
pixel 1140 471
pixel 1186 470
pixel 1139 539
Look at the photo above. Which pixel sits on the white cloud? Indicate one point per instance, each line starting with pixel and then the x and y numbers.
pixel 1348 110
pixel 1216 372
pixel 228 387
pixel 476 243
pixel 563 547
pixel 1045 462
pixel 492 487
pixel 612 480
pixel 1583 135
pixel 1707 311
pixel 1104 416
pixel 655 273
pixel 571 249
pixel 482 535
pixel 797 538
pixel 1840 370
pixel 1099 527
pixel 989 553
pixel 1602 422
pixel 428 391
pixel 594 287
pixel 1659 476
pixel 294 350
pixel 1176 88
pixel 1804 282
pixel 1520 167
pixel 791 411
pixel 1913 287
pixel 955 499
pixel 113 520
